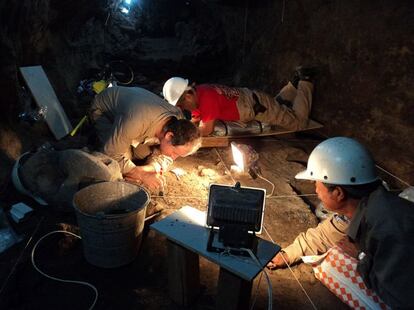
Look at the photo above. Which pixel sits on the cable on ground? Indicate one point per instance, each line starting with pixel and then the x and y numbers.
pixel 59 279
pixel 294 276
pixel 271 183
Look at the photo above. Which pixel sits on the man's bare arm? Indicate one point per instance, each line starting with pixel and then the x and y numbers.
pixel 206 128
pixel 145 174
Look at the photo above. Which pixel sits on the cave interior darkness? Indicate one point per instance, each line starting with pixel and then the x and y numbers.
pixel 363 50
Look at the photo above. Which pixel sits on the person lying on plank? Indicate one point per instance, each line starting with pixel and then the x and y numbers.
pixel 210 102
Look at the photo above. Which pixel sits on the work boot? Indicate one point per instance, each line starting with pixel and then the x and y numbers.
pixel 282 101
pixel 304 74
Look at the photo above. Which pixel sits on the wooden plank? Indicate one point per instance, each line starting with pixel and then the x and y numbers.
pixel 183 274
pixel 45 96
pixel 223 141
pixel 187 228
pixel 233 293
pixel 215 141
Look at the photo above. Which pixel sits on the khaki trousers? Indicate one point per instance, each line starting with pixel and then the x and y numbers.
pixel 294 118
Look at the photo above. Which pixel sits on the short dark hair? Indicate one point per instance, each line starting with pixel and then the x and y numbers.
pixel 355 191
pixel 184 131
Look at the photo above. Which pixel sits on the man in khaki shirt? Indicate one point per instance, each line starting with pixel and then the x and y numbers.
pixel 314 241
pixel 128 120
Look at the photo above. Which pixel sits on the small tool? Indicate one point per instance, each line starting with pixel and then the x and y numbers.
pixel 162 191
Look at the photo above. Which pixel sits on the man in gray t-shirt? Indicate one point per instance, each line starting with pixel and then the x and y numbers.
pixel 130 119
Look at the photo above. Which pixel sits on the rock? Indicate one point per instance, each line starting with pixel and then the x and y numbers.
pixel 207 172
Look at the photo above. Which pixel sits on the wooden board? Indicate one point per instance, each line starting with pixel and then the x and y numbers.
pixel 186 227
pixel 44 95
pixel 183 274
pixel 233 293
pixel 215 141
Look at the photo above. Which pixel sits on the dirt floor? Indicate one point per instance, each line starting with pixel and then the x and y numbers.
pixel 143 284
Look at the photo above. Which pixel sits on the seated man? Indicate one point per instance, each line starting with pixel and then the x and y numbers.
pixel 289 109
pixel 130 119
pixel 381 225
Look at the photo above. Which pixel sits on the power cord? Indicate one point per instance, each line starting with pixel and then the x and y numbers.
pixel 58 279
pixel 257 173
pixel 269 283
pixel 290 269
pixel 227 252
pixel 270 196
pixel 256 291
pixel 271 183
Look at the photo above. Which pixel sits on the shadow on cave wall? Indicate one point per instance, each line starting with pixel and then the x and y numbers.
pixel 364 50
pixel 365 53
pixel 73 39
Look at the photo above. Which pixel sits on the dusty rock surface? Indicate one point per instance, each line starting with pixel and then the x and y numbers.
pixel 143 284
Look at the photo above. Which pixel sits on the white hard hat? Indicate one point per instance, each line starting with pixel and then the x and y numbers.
pixel 19 185
pixel 174 88
pixel 340 161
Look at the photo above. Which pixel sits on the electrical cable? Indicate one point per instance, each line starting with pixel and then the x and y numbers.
pixel 294 195
pixel 262 177
pixel 177 196
pixel 111 66
pixel 256 292
pixel 270 197
pixel 290 269
pixel 227 252
pixel 225 166
pixel 58 279
pixel 269 283
pixel 394 176
pixel 271 183
pixel 198 197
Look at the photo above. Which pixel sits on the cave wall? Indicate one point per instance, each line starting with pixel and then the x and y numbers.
pixel 50 33
pixel 32 33
pixel 73 40
pixel 365 52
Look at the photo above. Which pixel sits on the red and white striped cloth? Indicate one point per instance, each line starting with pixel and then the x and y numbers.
pixel 337 271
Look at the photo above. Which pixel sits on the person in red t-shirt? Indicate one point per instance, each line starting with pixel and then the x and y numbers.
pixel 210 102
